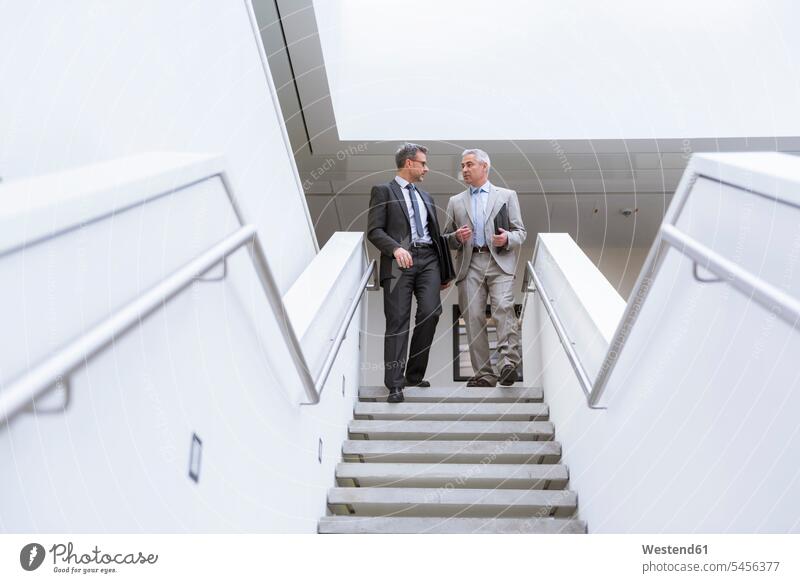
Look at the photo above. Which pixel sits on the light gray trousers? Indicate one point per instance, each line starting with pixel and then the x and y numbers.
pixel 486 279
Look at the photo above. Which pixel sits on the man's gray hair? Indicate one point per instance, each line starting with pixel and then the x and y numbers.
pixel 480 156
pixel 408 151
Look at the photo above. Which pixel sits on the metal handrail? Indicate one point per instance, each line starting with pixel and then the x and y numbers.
pixel 376 284
pixel 569 345
pixel 767 295
pixel 341 333
pixel 53 370
pixel 774 299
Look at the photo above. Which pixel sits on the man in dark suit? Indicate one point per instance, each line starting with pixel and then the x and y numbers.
pixel 403 225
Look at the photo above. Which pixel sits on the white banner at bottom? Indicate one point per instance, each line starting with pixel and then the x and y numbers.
pixel 401 558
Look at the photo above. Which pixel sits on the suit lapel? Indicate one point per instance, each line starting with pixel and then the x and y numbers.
pixel 426 198
pixel 398 194
pixel 493 196
pixel 468 204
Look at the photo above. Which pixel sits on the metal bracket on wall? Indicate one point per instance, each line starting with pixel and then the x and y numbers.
pixel 701 279
pixel 63 387
pixel 208 279
pixel 375 285
pixel 195 458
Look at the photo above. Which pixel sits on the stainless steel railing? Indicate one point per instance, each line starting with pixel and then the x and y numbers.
pixel 55 370
pixel 341 333
pixel 767 295
pixel 569 346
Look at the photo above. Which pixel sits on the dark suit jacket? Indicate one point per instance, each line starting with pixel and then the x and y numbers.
pixel 389 225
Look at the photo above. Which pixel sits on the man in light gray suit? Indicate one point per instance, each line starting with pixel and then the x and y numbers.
pixel 484 226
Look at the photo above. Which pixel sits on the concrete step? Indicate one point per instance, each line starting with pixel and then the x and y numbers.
pixel 459 430
pixel 511 476
pixel 460 394
pixel 453 411
pixel 436 525
pixel 462 502
pixel 464 452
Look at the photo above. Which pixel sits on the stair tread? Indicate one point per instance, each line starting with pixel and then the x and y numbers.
pixel 444 411
pixel 458 394
pixel 547 476
pixel 452 451
pixel 356 469
pixel 483 430
pixel 438 525
pixel 452 460
pixel 477 502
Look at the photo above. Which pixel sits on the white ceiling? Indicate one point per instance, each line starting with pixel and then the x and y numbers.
pixel 560 181
pixel 572 69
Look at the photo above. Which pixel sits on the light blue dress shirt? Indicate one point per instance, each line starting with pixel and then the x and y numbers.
pixel 480 196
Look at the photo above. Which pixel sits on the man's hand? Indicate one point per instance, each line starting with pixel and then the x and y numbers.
pixel 500 240
pixel 463 234
pixel 403 258
pixel 444 286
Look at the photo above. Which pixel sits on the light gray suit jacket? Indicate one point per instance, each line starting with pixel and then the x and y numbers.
pixel 459 213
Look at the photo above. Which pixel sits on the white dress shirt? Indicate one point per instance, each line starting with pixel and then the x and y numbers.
pixel 423 213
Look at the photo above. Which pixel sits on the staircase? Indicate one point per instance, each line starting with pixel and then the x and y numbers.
pixel 452 460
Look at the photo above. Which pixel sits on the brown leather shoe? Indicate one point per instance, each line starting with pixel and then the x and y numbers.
pixel 479 382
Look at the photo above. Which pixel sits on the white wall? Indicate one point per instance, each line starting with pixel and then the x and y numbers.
pixel 700 432
pixel 88 81
pixel 589 306
pixel 94 81
pixel 211 362
pixel 619 265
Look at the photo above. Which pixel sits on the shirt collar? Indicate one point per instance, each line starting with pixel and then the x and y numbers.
pixel 401 181
pixel 485 188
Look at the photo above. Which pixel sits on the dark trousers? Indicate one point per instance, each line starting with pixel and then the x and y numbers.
pixel 423 281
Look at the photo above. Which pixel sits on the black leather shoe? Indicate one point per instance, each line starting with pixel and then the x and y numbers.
pixel 479 382
pixel 418 384
pixel 395 395
pixel 508 376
